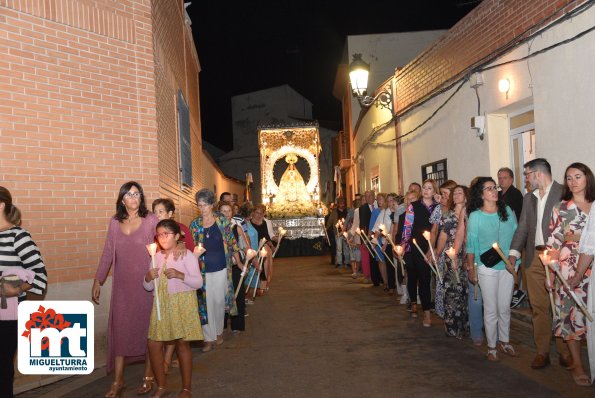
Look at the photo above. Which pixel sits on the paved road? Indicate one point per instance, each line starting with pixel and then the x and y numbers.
pixel 319 333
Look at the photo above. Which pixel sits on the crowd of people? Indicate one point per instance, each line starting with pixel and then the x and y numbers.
pixel 453 250
pixel 174 284
pixel 461 252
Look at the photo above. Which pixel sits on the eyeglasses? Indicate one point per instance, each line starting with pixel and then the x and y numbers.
pixel 164 234
pixel 130 195
pixel 491 188
pixel 528 173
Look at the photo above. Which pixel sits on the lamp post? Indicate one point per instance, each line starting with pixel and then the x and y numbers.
pixel 358 76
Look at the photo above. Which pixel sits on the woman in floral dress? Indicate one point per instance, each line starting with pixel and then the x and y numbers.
pixel 456 319
pixel 436 221
pixel 566 225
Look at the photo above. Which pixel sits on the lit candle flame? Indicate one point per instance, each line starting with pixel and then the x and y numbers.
pixel 152 248
pixel 427 235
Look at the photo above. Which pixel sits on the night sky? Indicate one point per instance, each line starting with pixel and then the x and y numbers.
pixel 253 45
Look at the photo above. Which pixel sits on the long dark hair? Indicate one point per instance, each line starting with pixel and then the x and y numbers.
pixel 451 203
pixel 12 213
pixel 589 189
pixel 121 213
pixel 476 200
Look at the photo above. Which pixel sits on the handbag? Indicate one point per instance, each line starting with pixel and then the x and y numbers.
pixel 490 257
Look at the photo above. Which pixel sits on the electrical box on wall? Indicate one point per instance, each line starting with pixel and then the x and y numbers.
pixel 478 124
pixel 476 80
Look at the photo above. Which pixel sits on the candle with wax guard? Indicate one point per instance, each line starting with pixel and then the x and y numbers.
pixel 428 237
pixel 250 254
pixel 399 251
pixel 452 254
pixel 152 249
pixel 545 259
pixel 426 260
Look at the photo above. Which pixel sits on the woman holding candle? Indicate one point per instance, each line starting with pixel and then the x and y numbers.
pixel 436 221
pixel 381 216
pixel 20 258
pixel 417 220
pixel 213 231
pixel 265 230
pixel 456 321
pixel 164 209
pixel 584 264
pixel 246 212
pixel 237 321
pixel 491 221
pixel 129 231
pixel 568 220
pixel 399 224
pixel 176 281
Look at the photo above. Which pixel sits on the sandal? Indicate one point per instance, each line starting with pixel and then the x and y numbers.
pixel 185 393
pixel 492 355
pixel 506 348
pixel 427 322
pixel 115 390
pixel 582 380
pixel 413 311
pixel 159 392
pixel 146 386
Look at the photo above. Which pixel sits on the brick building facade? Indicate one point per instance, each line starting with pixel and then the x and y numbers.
pixel 88 101
pixel 90 97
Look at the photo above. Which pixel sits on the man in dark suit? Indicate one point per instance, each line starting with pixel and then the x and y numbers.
pixel 532 232
pixel 509 193
pixel 365 213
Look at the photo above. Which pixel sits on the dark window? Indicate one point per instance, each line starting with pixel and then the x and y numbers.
pixel 436 171
pixel 185 143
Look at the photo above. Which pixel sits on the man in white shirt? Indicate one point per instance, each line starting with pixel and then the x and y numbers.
pixel 531 235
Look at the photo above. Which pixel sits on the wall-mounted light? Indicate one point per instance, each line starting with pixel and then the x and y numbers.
pixel 358 76
pixel 504 86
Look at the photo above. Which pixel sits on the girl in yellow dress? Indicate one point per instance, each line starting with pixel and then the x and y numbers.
pixel 178 320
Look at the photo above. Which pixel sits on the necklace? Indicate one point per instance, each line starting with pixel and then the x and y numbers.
pixel 208 231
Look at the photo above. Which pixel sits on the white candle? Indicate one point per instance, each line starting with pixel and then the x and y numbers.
pixel 505 259
pixel 428 237
pixel 152 249
pixel 452 254
pixel 545 259
pixel 556 268
pixel 424 257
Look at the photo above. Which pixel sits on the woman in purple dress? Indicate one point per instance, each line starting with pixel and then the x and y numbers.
pixel 129 231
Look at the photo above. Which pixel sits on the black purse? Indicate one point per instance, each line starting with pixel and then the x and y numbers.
pixel 490 257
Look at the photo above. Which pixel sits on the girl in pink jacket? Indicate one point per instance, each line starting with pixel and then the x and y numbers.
pixel 174 317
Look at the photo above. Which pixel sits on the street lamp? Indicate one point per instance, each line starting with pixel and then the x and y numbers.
pixel 358 75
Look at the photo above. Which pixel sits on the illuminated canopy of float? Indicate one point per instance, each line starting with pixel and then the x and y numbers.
pixel 276 142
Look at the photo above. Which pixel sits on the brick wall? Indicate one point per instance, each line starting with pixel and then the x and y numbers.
pixel 176 68
pixel 486 30
pixel 77 119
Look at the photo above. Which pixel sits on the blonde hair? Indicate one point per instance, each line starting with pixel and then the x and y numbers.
pixel 383 195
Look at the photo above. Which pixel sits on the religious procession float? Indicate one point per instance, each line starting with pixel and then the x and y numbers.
pixel 292 203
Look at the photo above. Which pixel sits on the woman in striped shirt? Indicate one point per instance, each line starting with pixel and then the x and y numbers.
pixel 18 256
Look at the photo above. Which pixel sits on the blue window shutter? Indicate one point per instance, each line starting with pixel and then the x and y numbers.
pixel 185 143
